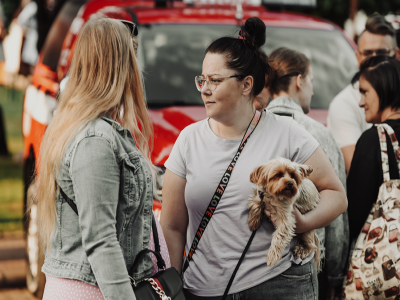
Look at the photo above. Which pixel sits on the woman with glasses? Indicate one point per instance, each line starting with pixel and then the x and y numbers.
pixel 213 238
pixel 95 177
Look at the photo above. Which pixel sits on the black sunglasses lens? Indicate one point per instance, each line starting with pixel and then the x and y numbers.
pixel 132 27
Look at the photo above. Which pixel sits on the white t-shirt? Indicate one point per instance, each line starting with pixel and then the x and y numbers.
pixel 202 158
pixel 346 119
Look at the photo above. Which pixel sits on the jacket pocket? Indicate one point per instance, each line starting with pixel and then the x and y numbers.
pixel 133 163
pixel 132 179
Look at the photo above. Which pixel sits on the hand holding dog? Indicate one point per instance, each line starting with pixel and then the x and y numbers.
pixel 301 220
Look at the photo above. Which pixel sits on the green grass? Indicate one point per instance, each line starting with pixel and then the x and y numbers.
pixel 11 183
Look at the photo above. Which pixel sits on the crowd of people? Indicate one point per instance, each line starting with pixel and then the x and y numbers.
pixel 96 154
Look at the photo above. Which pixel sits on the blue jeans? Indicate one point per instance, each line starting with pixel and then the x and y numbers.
pixel 296 283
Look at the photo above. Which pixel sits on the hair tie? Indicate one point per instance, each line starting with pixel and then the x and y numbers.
pixel 243 37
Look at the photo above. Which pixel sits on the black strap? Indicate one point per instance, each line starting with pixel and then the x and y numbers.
pixel 238 265
pixel 261 195
pixel 155 235
pixel 141 254
pixel 284 114
pixel 69 201
pixel 157 252
pixel 220 190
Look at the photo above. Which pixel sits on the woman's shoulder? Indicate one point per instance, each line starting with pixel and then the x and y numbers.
pixel 273 120
pixel 368 143
pixel 99 129
pixel 194 128
pixel 368 136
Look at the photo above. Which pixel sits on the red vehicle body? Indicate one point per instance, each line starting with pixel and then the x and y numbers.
pixel 168 119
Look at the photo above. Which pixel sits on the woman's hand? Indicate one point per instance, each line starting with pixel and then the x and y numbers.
pixel 301 220
pixel 333 201
pixel 270 212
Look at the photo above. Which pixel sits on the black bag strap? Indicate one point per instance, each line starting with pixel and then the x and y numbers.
pixel 284 114
pixel 238 265
pixel 69 201
pixel 160 261
pixel 220 190
pixel 391 139
pixel 139 256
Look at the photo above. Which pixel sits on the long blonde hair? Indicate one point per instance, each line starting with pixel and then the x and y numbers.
pixel 104 79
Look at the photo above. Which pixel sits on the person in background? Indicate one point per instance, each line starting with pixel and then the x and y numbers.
pixel 28 21
pixel 291 90
pixel 346 120
pixel 379 86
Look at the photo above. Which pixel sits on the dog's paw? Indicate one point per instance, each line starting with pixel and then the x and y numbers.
pixel 273 257
pixel 301 251
pixel 254 223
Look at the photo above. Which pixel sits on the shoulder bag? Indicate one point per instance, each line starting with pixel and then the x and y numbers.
pixel 374 268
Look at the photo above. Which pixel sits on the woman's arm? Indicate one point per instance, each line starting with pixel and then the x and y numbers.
pixel 333 200
pixel 96 182
pixel 174 217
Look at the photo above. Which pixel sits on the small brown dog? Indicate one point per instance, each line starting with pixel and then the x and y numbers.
pixel 282 183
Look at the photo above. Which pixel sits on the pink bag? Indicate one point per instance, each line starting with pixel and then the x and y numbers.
pixel 163 248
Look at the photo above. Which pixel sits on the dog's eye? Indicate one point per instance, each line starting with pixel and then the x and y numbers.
pixel 292 175
pixel 279 174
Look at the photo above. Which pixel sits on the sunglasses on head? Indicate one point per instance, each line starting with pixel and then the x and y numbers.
pixel 131 26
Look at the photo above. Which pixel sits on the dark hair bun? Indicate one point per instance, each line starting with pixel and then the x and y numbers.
pixel 254 30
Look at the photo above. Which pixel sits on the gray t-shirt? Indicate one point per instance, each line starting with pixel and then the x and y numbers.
pixel 202 157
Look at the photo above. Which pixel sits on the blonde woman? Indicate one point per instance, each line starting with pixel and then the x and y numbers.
pixel 101 167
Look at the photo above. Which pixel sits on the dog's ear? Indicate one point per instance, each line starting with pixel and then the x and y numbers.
pixel 259 175
pixel 255 175
pixel 306 170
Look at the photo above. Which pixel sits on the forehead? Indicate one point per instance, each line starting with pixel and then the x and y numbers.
pixel 370 41
pixel 214 64
pixel 364 84
pixel 310 71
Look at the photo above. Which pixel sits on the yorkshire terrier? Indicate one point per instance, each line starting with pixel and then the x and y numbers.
pixel 282 183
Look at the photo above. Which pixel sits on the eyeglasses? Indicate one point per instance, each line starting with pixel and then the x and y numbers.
pixel 131 26
pixel 383 51
pixel 212 81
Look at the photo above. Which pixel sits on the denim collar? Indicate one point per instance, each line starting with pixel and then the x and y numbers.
pixel 116 125
pixel 285 102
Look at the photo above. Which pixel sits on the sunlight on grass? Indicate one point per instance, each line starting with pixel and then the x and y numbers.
pixel 15 145
pixel 11 204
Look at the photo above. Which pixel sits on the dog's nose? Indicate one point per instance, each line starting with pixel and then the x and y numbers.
pixel 289 184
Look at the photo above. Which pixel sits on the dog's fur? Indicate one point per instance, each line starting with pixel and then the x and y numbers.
pixel 284 183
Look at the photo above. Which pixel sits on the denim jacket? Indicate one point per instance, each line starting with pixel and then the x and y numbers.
pixel 334 238
pixel 109 180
